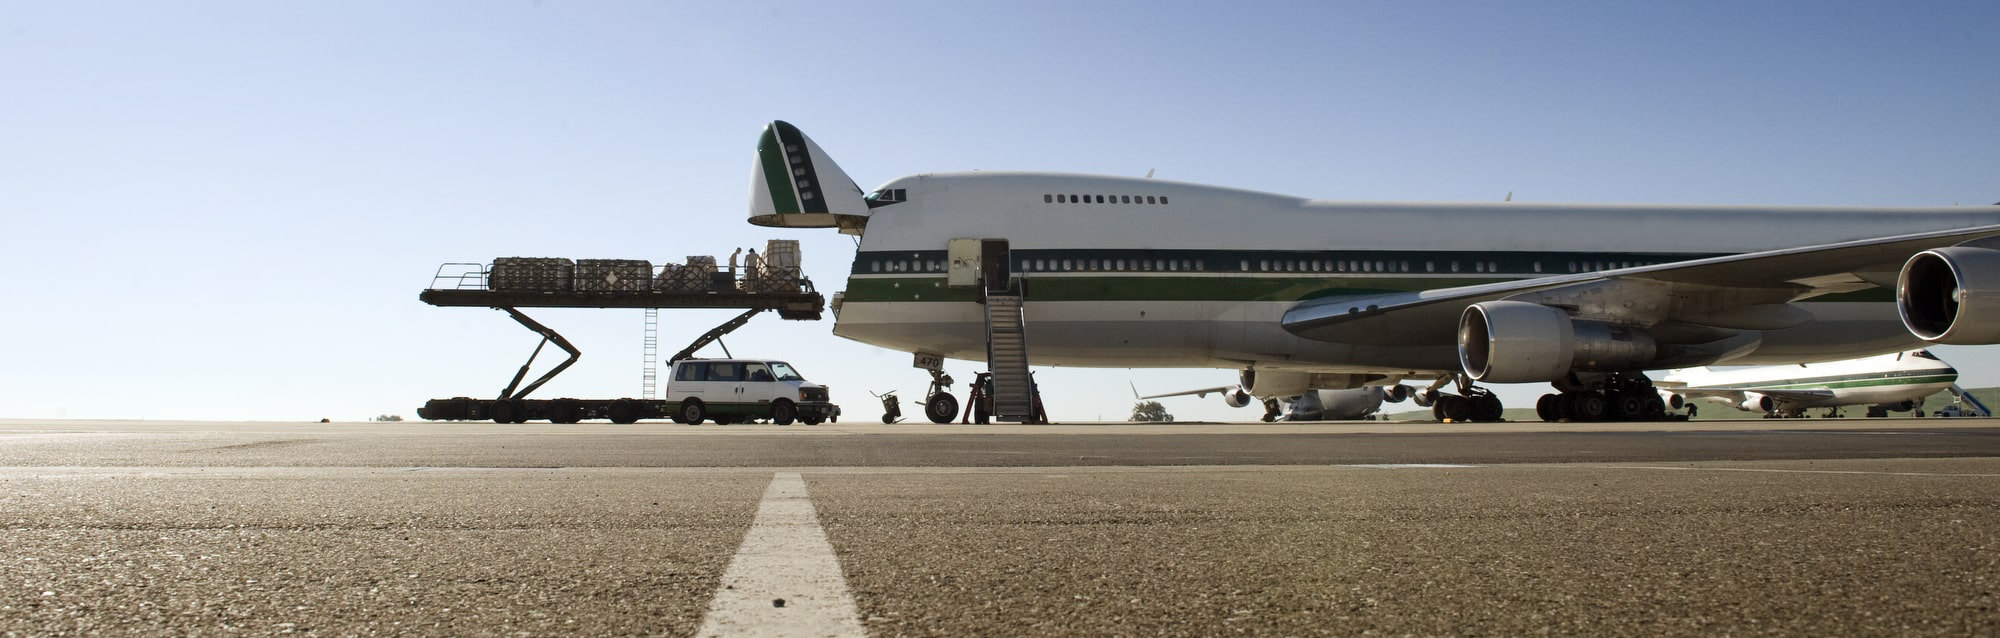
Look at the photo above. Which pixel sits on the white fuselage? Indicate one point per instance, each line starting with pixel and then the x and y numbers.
pixel 1200 276
pixel 1878 380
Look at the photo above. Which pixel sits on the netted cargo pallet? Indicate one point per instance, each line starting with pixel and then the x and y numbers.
pixel 532 274
pixel 693 277
pixel 781 253
pixel 614 275
pixel 770 279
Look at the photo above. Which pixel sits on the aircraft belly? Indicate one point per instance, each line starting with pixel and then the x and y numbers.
pixel 1125 334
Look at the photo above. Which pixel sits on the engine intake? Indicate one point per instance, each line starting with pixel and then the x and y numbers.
pixel 1951 295
pixel 1521 342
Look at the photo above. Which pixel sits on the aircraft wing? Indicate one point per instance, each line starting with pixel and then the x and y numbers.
pixel 1750 291
pixel 1200 393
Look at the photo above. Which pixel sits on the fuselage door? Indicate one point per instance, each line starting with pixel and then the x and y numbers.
pixel 963 271
pixel 993 265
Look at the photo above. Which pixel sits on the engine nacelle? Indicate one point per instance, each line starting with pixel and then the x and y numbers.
pixel 1674 400
pixel 1754 402
pixel 1396 393
pixel 1236 398
pixel 1521 342
pixel 1951 295
pixel 1275 383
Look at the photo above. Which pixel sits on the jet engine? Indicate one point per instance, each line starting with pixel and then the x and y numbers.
pixel 1396 393
pixel 1236 398
pixel 1275 383
pixel 1674 400
pixel 1521 342
pixel 1951 295
pixel 1754 402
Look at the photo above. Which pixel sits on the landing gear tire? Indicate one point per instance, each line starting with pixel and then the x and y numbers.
pixel 1655 410
pixel 783 412
pixel 1626 406
pixel 941 407
pixel 1549 408
pixel 1587 406
pixel 1456 408
pixel 811 420
pixel 691 412
pixel 1485 408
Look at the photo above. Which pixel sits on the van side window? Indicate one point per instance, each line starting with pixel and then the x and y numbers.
pixel 725 371
pixel 692 371
pixel 758 372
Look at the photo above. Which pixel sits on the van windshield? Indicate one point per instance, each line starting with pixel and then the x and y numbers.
pixel 785 371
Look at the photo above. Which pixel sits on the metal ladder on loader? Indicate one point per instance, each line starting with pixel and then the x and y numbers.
pixel 1007 358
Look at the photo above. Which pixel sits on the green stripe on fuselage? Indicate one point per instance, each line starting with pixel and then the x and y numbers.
pixel 1133 287
pixel 1857 381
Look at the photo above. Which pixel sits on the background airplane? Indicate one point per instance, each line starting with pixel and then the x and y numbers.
pixel 1313 405
pixel 1895 382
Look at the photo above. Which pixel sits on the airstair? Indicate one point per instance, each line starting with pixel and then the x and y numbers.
pixel 1968 403
pixel 1007 357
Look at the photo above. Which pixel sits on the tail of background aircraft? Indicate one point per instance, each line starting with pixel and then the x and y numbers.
pixel 794 184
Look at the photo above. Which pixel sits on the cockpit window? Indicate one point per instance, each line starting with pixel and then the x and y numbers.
pixel 886 197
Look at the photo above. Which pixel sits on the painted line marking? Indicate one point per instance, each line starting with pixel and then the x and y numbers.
pixel 785 557
pixel 1785 471
pixel 1401 466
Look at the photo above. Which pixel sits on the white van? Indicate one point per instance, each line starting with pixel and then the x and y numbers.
pixel 734 390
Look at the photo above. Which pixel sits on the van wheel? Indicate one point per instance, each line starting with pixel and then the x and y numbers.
pixel 691 412
pixel 783 412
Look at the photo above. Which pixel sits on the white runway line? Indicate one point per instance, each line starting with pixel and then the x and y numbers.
pixel 785 557
pixel 1774 470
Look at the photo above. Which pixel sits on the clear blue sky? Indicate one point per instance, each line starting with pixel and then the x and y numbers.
pixel 226 210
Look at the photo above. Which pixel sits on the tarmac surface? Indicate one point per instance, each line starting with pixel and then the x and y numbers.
pixel 1814 527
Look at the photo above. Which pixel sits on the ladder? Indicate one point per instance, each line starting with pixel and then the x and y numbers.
pixel 1007 358
pixel 649 348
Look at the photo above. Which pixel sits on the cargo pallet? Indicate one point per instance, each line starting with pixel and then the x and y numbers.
pixel 472 285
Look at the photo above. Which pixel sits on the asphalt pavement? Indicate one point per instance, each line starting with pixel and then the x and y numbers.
pixel 1796 528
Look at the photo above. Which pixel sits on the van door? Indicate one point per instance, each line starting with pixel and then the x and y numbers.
pixel 759 385
pixel 725 383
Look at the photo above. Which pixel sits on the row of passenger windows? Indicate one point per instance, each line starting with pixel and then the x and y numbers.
pixel 1261 265
pixel 1060 198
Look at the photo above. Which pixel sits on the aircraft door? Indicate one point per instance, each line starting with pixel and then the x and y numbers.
pixel 994 264
pixel 963 269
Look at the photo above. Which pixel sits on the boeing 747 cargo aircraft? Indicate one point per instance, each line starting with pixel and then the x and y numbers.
pixel 1300 294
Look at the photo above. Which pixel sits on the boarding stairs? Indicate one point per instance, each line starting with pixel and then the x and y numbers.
pixel 1968 403
pixel 1007 357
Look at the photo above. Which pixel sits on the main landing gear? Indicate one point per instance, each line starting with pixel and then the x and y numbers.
pixel 1471 404
pixel 1614 397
